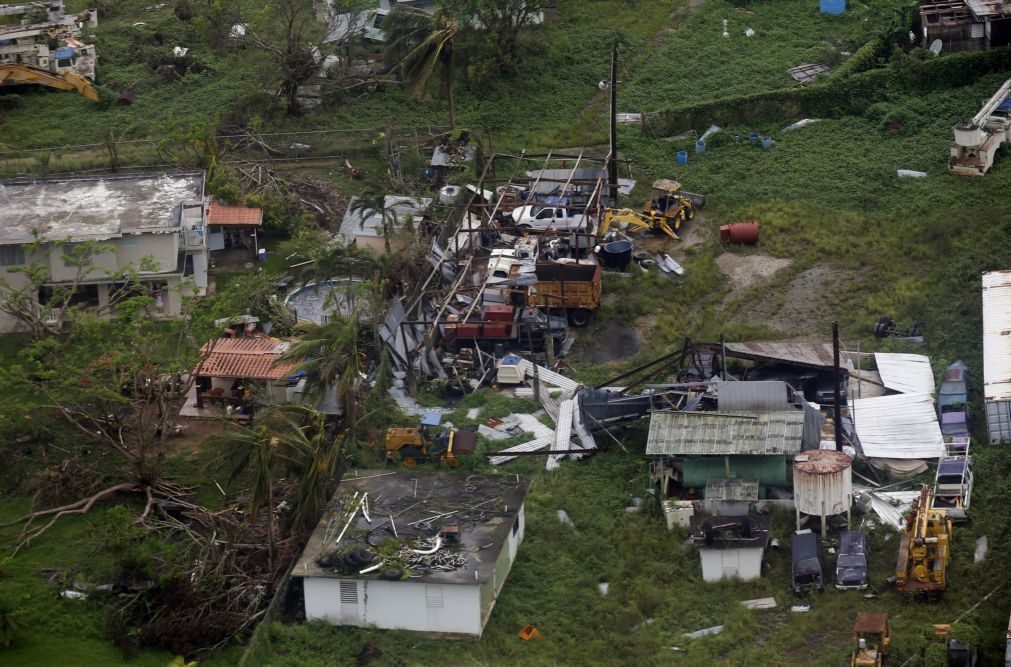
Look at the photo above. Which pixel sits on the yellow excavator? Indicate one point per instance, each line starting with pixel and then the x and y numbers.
pixel 13 75
pixel 925 547
pixel 664 213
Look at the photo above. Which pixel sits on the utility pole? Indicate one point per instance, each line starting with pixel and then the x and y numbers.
pixel 612 163
pixel 836 377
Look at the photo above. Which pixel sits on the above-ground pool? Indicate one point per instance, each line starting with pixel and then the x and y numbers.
pixel 318 302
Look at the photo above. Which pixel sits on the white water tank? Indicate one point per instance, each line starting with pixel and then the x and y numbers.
pixel 822 482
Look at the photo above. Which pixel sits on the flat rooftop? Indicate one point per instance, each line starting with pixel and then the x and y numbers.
pixel 484 506
pixel 95 207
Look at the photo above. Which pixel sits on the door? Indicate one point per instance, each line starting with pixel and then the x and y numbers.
pixel 731 562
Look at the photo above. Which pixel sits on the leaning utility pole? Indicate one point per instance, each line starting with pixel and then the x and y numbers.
pixel 612 163
pixel 836 378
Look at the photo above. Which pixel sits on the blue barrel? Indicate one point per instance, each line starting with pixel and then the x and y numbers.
pixel 682 157
pixel 753 137
pixel 835 7
pixel 766 143
pixel 700 146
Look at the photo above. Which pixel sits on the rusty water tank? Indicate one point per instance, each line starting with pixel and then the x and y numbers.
pixel 740 232
pixel 822 482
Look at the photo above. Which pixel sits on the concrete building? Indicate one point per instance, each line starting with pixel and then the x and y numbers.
pixel 365 228
pixel 731 546
pixel 478 536
pixel 150 223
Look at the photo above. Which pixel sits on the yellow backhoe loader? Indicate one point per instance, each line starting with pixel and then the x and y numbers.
pixel 666 212
pixel 925 547
pixel 14 75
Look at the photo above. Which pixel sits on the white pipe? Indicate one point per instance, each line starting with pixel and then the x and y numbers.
pixel 438 545
pixel 371 569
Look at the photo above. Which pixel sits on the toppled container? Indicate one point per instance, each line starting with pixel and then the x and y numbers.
pixel 740 232
pixel 617 254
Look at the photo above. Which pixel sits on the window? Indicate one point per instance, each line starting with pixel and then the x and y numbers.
pixel 545 214
pixel 349 592
pixel 433 597
pixel 516 525
pixel 12 255
pixel 129 240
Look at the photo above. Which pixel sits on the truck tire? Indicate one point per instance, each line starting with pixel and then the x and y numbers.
pixel 580 317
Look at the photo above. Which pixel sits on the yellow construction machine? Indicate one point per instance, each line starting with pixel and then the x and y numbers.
pixel 15 75
pixel 414 446
pixel 871 639
pixel 925 547
pixel 666 212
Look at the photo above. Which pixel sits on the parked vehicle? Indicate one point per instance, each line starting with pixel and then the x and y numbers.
pixel 851 568
pixel 516 327
pixel 806 567
pixel 570 288
pixel 872 639
pixel 554 216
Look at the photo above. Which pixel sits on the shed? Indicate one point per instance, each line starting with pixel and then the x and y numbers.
pixel 233 226
pixel 724 446
pixel 243 370
pixel 364 228
pixel 347 582
pixel 731 546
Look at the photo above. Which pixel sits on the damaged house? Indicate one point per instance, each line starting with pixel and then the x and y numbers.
pixel 151 223
pixel 410 550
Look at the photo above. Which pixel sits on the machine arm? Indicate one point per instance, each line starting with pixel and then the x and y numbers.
pixel 23 74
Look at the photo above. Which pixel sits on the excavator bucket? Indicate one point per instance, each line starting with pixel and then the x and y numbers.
pixel 12 74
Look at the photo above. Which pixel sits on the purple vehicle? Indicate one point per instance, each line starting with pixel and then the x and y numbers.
pixel 953 406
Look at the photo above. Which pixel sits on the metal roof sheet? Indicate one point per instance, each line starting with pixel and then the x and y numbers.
pixel 712 434
pixel 814 355
pixel 996 341
pixel 906 373
pixel 900 426
pixel 761 396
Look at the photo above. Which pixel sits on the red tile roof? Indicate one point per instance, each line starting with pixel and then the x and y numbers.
pixel 247 357
pixel 221 214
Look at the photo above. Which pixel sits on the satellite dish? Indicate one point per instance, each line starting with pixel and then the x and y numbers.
pixel 935 47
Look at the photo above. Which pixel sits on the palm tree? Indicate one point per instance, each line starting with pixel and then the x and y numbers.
pixel 313 456
pixel 373 202
pixel 423 45
pixel 332 356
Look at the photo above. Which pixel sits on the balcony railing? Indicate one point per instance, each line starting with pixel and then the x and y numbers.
pixel 193 238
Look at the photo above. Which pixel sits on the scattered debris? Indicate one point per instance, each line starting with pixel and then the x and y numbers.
pixel 603 587
pixel 800 608
pixel 760 603
pixel 802 123
pixel 748 32
pixel 530 632
pixel 667 264
pixel 563 517
pixel 73 595
pixel 715 630
pixel 628 118
pixel 982 546
pixel 909 173
pixel 807 73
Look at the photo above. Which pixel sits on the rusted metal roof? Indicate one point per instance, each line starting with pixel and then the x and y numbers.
pixel 821 462
pixel 252 357
pixel 718 434
pixel 233 216
pixel 812 355
pixel 870 623
pixel 997 336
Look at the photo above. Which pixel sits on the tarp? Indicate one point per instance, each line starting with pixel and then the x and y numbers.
pixel 901 426
pixel 906 373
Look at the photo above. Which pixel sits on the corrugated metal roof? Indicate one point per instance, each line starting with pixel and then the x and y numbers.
pixel 996 341
pixel 901 426
pixel 707 434
pixel 814 355
pixel 763 396
pixel 907 373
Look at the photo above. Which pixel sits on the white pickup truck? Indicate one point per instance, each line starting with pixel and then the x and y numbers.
pixel 551 218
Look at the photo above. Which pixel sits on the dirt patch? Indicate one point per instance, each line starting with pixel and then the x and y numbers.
pixel 195 433
pixel 809 299
pixel 612 343
pixel 746 271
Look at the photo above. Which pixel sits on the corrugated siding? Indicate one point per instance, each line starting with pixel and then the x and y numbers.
pixel 815 355
pixel 764 396
pixel 906 373
pixel 702 434
pixel 767 470
pixel 996 341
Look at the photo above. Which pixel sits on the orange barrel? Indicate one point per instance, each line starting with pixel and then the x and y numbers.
pixel 740 232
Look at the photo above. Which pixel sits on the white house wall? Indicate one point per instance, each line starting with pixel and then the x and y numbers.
pixel 395 605
pixel 720 564
pixel 162 248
